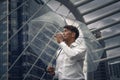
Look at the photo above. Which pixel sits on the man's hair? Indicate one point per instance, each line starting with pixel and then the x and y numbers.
pixel 73 29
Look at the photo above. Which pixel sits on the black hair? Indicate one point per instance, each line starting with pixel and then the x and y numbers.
pixel 73 29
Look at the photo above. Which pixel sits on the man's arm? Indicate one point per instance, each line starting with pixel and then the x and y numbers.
pixel 78 52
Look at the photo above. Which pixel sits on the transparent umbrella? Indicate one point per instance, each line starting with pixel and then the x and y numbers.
pixel 43 29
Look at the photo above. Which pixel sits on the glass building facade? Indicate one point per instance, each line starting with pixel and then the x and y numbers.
pixel 27 29
pixel 114 69
pixel 15 58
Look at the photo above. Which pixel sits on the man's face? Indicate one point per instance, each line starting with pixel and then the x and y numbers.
pixel 68 35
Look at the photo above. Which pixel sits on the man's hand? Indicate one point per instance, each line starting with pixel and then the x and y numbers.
pixel 59 37
pixel 51 70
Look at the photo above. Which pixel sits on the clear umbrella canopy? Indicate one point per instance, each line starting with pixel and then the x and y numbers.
pixel 41 35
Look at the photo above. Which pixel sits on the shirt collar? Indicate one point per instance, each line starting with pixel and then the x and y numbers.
pixel 73 44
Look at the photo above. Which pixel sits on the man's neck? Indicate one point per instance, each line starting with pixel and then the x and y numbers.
pixel 69 42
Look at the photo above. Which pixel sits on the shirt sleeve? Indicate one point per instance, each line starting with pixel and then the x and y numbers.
pixel 56 68
pixel 56 75
pixel 77 52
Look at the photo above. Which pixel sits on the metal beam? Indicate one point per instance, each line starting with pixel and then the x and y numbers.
pixel 112 47
pixel 107 26
pixel 108 37
pixel 108 48
pixel 107 59
pixel 39 1
pixel 78 4
pixel 104 16
pixel 73 9
pixel 100 7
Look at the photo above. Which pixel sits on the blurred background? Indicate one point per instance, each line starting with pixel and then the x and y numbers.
pixel 26 47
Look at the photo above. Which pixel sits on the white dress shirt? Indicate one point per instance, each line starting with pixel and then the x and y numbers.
pixel 69 62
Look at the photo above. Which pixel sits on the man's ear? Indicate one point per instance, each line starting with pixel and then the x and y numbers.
pixel 73 34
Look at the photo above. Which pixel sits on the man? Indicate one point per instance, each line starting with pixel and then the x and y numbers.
pixel 70 58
